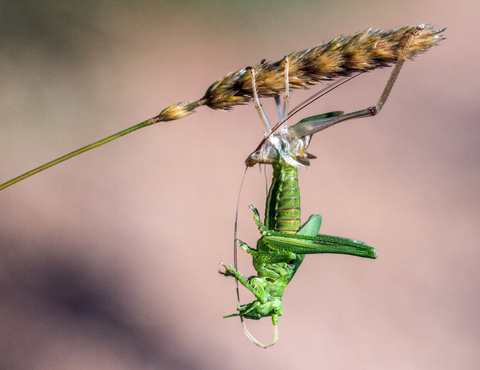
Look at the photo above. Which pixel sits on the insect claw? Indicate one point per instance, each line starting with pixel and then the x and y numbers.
pixel 373 110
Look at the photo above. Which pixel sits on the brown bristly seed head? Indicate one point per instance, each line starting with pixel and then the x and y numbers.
pixel 341 57
pixel 177 111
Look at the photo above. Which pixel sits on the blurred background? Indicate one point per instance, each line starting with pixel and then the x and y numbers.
pixel 110 260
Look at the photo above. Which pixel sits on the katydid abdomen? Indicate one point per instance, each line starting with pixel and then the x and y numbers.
pixel 282 208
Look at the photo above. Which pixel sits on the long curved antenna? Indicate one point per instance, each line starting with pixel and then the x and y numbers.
pixel 324 89
pixel 235 262
pixel 307 102
pixel 235 243
pixel 255 341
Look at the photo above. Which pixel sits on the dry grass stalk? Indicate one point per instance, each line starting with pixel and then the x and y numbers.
pixel 343 56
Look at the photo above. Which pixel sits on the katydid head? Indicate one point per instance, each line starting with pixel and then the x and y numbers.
pixel 281 149
pixel 290 148
pixel 256 309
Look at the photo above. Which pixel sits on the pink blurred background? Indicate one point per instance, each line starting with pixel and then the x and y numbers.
pixel 110 260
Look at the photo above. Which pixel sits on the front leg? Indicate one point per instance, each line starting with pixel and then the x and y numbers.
pixel 258 293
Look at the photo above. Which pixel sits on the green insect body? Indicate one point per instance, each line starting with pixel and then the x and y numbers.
pixel 283 246
pixel 284 243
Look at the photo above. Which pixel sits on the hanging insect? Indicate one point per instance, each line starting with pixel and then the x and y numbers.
pixel 284 243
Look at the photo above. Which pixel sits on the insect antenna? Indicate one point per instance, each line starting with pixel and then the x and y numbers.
pixel 322 92
pixel 255 341
pixel 306 103
pixel 235 263
pixel 235 232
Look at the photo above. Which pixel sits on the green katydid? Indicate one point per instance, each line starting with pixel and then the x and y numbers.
pixel 284 243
